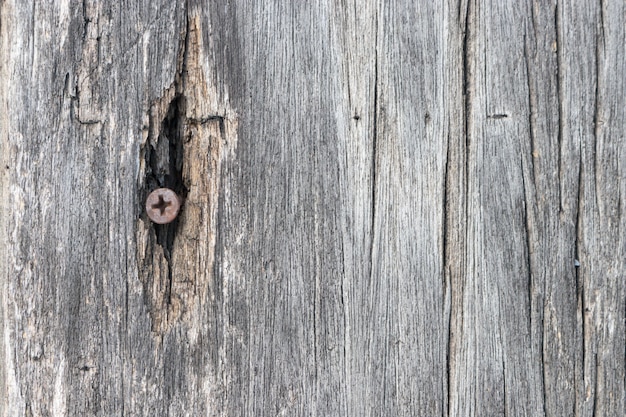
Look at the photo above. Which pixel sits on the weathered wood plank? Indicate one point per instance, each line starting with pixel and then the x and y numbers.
pixel 593 120
pixel 81 77
pixel 280 259
pixel 497 352
pixel 408 328
pixel 391 208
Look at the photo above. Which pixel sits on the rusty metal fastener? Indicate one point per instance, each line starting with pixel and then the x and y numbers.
pixel 163 205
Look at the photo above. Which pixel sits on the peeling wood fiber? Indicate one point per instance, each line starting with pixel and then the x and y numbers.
pixel 390 209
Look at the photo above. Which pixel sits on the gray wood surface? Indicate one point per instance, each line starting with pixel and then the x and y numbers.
pixel 403 208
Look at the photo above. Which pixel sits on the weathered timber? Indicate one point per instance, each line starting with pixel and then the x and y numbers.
pixel 409 208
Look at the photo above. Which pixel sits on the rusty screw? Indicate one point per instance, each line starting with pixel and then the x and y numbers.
pixel 163 205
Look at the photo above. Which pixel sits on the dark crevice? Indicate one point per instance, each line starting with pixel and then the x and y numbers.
pixel 527 194
pixel 165 164
pixel 164 157
pixel 580 284
pixel 164 169
pixel 467 104
pixel 533 19
pixel 466 77
pixel 445 216
pixel 531 112
pixel 374 167
pixel 597 122
pixel 529 263
pixel 561 101
pixel 447 280
pixel 87 122
pixel 66 85
pixel 596 399
pixel 374 154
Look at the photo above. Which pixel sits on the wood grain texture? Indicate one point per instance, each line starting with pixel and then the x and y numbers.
pixel 391 208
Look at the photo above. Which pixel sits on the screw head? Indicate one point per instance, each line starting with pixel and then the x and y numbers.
pixel 162 205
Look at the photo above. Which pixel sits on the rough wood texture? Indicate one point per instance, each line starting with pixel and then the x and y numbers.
pixel 407 208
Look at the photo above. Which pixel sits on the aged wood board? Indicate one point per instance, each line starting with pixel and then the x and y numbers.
pixel 392 208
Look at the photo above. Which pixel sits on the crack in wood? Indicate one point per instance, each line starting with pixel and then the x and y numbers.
pixel 183 151
pixel 560 98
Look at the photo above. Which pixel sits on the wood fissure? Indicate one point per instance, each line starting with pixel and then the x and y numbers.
pixel 558 44
pixel 598 105
pixel 183 151
pixel 375 133
pixel 580 282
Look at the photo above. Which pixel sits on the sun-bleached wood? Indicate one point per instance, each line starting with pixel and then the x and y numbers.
pixel 407 208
